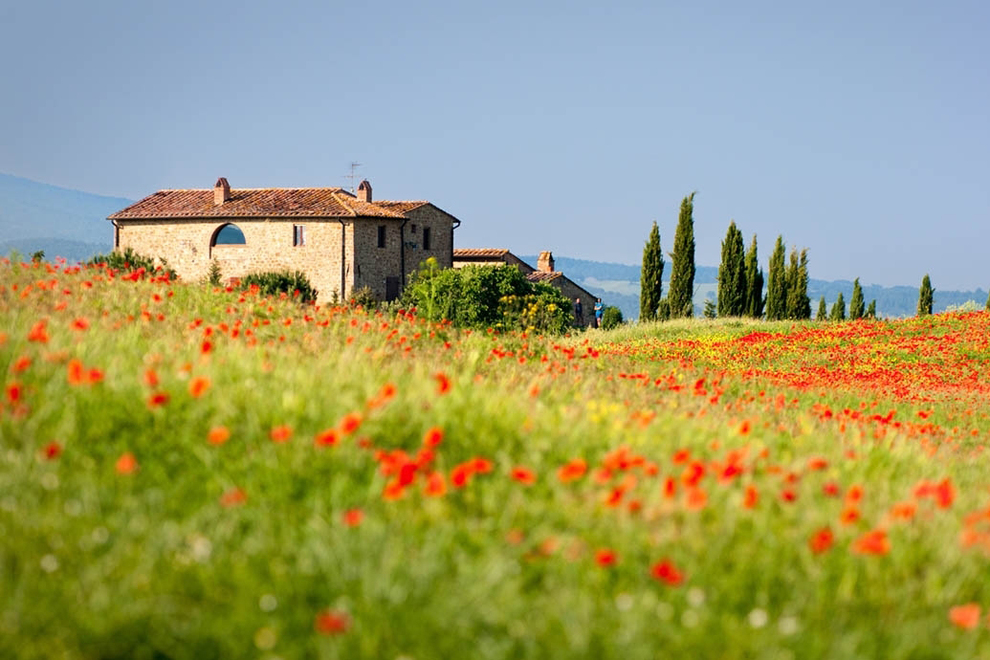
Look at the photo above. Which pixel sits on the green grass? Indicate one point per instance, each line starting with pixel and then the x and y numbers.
pixel 99 564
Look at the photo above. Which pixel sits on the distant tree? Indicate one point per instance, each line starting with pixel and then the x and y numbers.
pixel 710 311
pixel 988 301
pixel 925 296
pixel 651 276
pixel 839 309
pixel 857 306
pixel 681 293
pixel 611 317
pixel 822 310
pixel 777 283
pixel 798 304
pixel 732 274
pixel 754 283
pixel 871 311
pixel 214 275
pixel 38 257
pixel 663 311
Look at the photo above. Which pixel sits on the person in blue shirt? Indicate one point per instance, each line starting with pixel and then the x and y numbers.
pixel 599 312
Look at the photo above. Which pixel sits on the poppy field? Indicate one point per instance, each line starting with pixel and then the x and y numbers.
pixel 197 472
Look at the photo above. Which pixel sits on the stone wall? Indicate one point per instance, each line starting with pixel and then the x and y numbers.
pixel 268 246
pixel 572 291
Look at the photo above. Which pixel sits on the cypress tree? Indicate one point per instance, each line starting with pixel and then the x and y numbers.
pixel 988 301
pixel 754 283
pixel 803 301
pixel 798 304
pixel 732 274
pixel 871 311
pixel 857 306
pixel 710 311
pixel 822 310
pixel 651 276
pixel 839 309
pixel 681 292
pixel 925 296
pixel 777 283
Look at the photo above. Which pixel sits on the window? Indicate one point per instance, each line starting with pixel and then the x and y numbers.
pixel 298 235
pixel 381 236
pixel 414 229
pixel 228 235
pixel 426 238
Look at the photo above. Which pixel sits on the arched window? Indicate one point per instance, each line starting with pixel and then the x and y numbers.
pixel 228 234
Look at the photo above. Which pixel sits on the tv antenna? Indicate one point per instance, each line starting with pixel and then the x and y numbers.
pixel 353 174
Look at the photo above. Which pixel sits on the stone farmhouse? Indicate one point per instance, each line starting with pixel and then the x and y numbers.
pixel 341 241
pixel 544 272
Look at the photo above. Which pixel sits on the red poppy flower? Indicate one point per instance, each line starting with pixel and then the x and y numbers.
pixel 52 450
pixel 218 435
pixel 665 571
pixel 332 622
pixel 874 542
pixel 39 332
pixel 572 470
pixel 433 437
pixel 443 383
pixel 157 399
pixel 126 464
pixel 523 475
pixel 821 540
pixel 349 423
pixel 606 557
pixel 233 497
pixel 281 433
pixel 326 438
pixel 353 517
pixel 436 486
pixel 751 498
pixel 198 386
pixel 965 616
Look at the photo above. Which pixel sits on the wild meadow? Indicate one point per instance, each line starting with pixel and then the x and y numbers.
pixel 193 472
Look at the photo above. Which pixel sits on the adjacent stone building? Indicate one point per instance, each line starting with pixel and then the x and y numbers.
pixel 341 241
pixel 544 272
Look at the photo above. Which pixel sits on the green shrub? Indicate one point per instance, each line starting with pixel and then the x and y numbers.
pixel 363 297
pixel 214 277
pixel 130 261
pixel 486 297
pixel 272 283
pixel 611 317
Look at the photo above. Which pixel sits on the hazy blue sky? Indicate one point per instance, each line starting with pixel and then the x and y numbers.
pixel 860 130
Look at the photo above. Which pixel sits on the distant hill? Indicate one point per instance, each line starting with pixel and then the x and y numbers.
pixel 62 222
pixel 618 285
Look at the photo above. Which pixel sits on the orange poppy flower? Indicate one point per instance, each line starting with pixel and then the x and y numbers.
pixel 965 616
pixel 353 517
pixel 874 542
pixel 281 433
pixel 126 464
pixel 821 540
pixel 326 438
pixel 523 475
pixel 572 470
pixel 198 386
pixel 218 435
pixel 435 486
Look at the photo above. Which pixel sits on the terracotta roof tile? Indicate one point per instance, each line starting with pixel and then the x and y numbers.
pixel 543 276
pixel 468 253
pixel 261 202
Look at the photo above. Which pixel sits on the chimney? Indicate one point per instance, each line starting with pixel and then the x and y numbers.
pixel 545 263
pixel 364 191
pixel 221 192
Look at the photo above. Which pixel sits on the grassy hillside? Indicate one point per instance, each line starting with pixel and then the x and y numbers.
pixel 193 473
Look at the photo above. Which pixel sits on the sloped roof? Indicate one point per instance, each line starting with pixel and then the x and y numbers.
pixel 474 253
pixel 543 276
pixel 262 202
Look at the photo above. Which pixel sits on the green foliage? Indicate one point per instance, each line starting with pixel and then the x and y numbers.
pixel 839 309
pixel 732 290
pixel 710 310
pixel 651 275
pixel 857 306
pixel 681 294
pixel 611 318
pixel 273 283
pixel 754 283
pixel 777 283
pixel 486 297
pixel 130 261
pixel 822 310
pixel 663 311
pixel 871 310
pixel 926 295
pixel 38 256
pixel 798 303
pixel 363 297
pixel 214 277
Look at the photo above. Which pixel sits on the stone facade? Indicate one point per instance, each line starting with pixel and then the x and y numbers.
pixel 338 246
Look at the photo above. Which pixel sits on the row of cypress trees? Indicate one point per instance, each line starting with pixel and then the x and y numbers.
pixel 740 281
pixel 679 301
